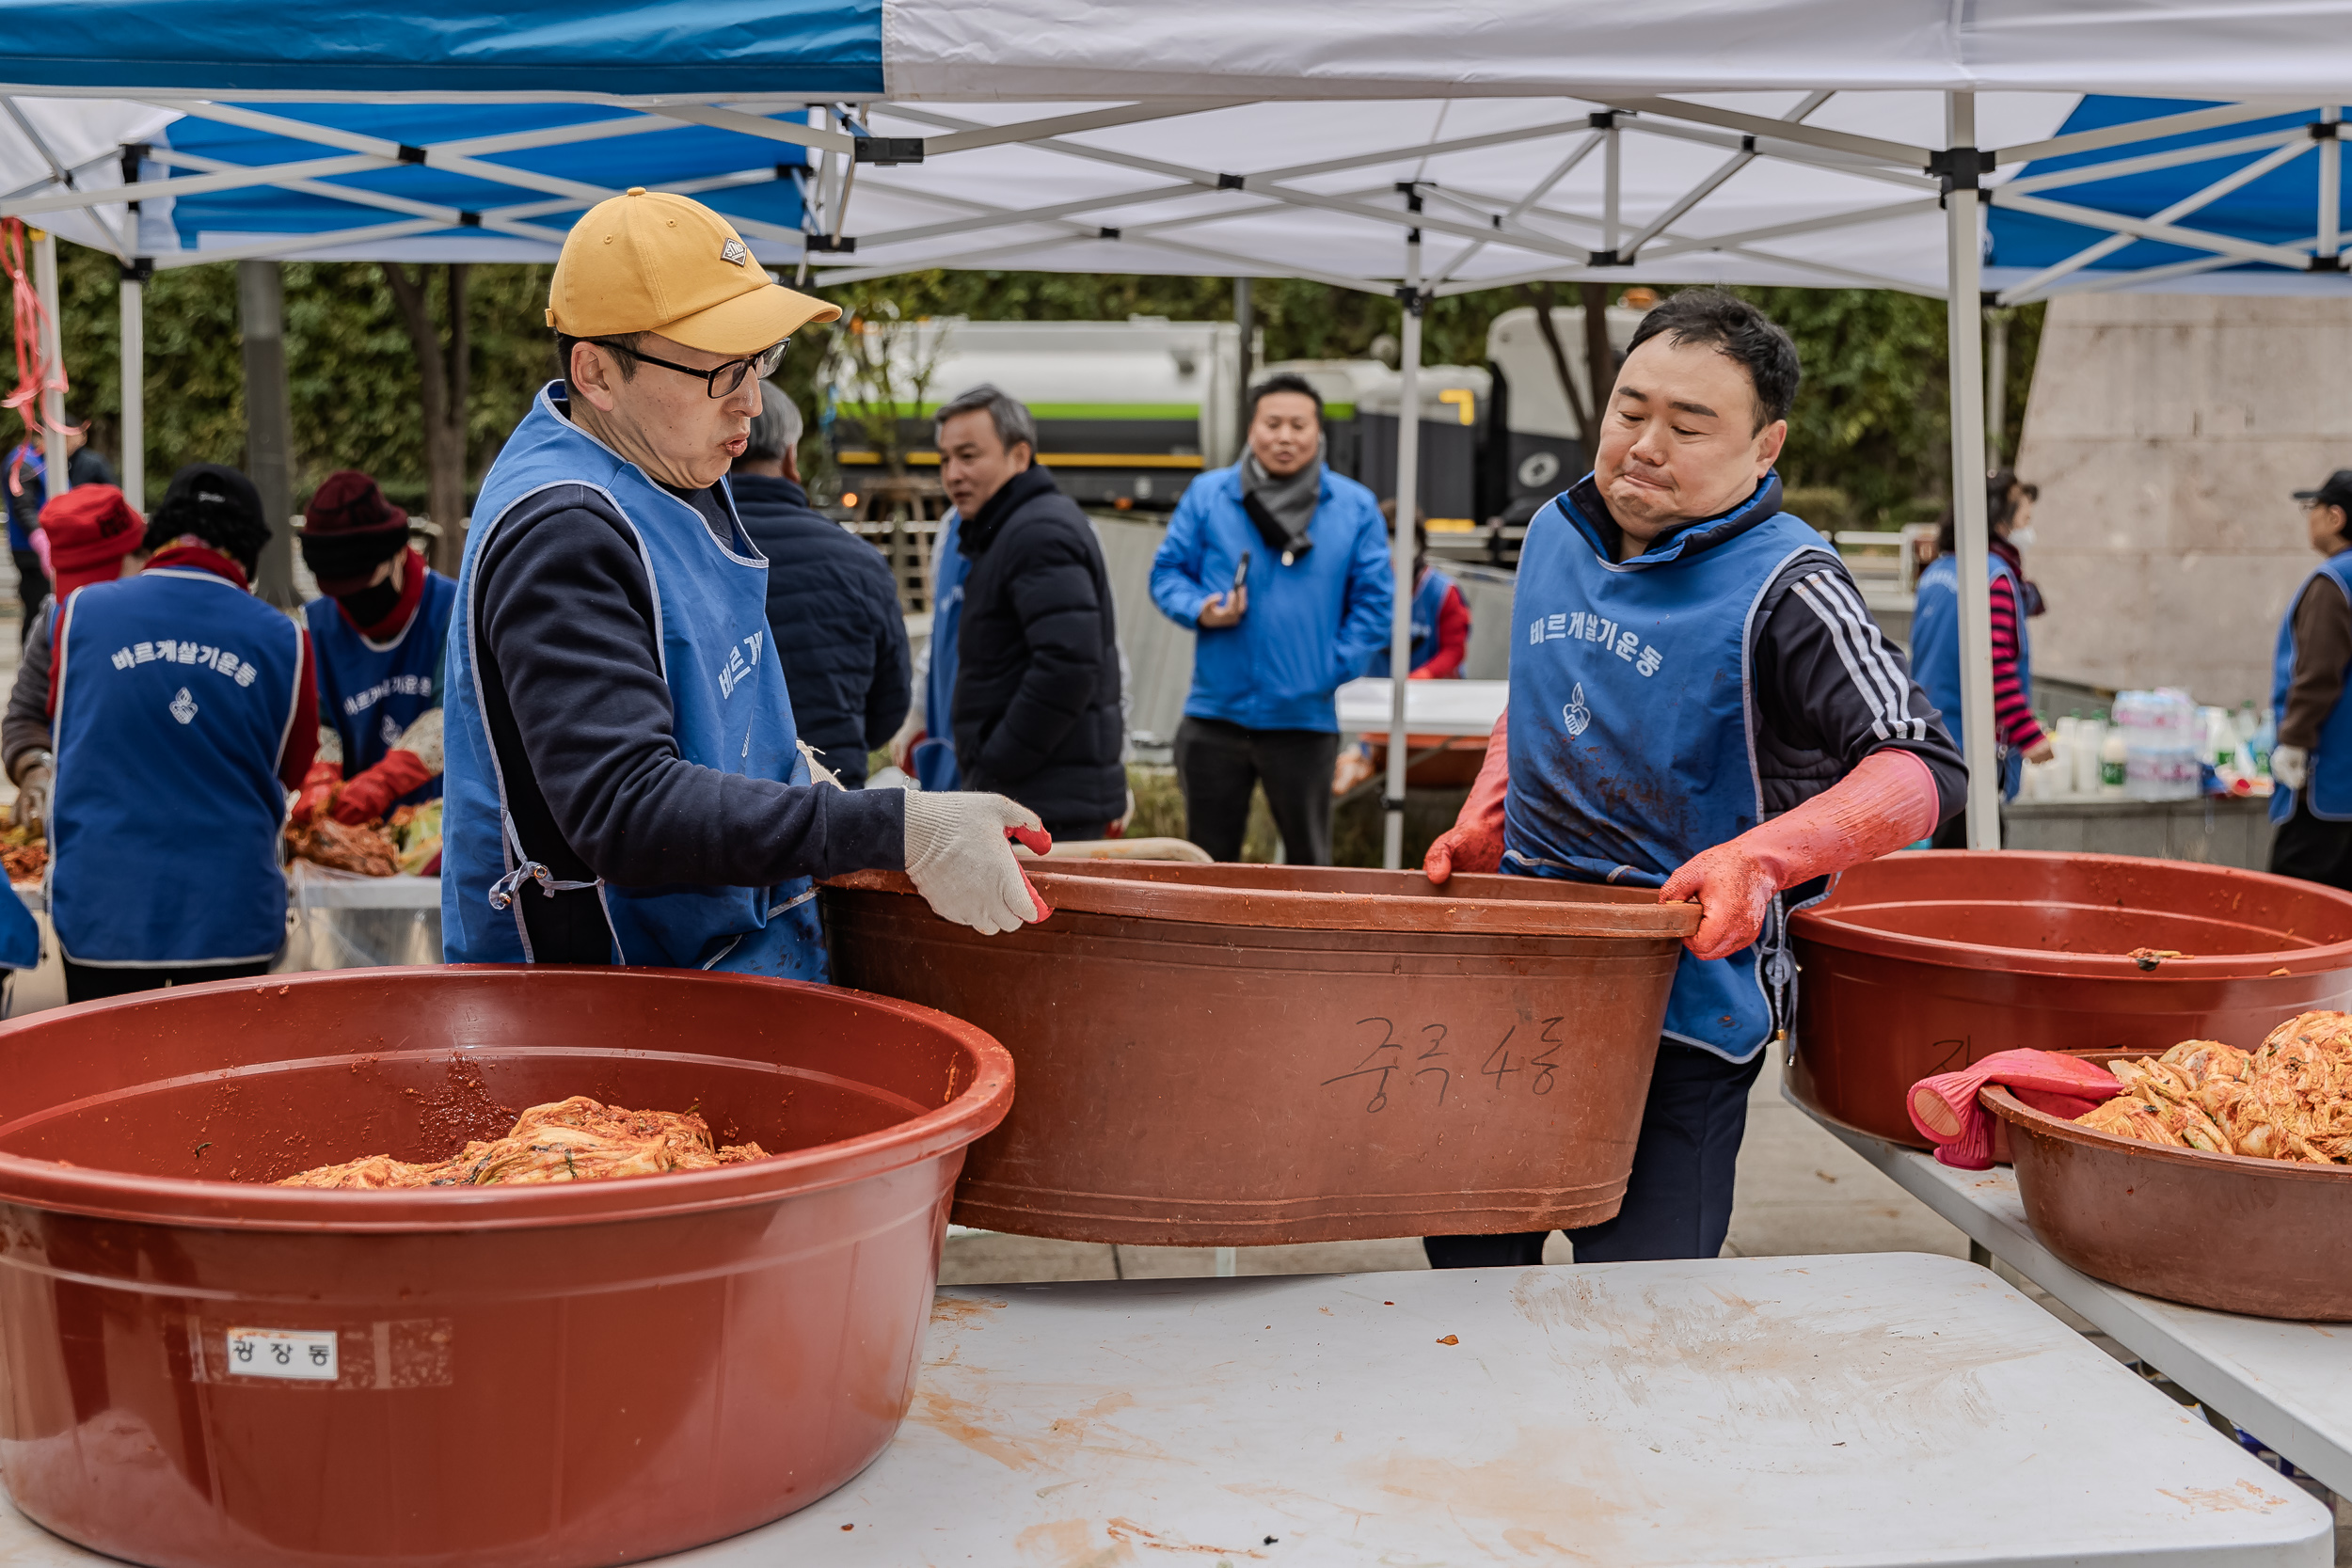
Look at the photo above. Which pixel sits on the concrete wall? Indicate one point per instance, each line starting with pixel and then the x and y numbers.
pixel 2166 432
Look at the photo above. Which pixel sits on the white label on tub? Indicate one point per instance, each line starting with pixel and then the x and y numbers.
pixel 305 1354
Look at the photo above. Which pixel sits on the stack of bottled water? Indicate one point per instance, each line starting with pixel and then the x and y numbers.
pixel 2162 739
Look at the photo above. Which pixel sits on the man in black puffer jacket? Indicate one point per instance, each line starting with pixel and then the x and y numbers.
pixel 831 603
pixel 1035 708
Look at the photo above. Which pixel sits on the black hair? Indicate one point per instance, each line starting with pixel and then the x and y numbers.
pixel 622 346
pixel 1013 423
pixel 216 504
pixel 1733 327
pixel 1284 381
pixel 2003 490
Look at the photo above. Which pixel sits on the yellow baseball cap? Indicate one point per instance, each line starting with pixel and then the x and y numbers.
pixel 650 262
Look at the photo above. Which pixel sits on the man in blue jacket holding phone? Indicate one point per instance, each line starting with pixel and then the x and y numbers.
pixel 1283 567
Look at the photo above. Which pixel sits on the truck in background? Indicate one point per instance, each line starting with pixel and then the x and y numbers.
pixel 1128 412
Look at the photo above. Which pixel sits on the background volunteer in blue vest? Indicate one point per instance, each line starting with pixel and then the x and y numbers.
pixel 183 709
pixel 1274 645
pixel 1628 756
pixel 1036 710
pixel 1935 636
pixel 2313 760
pixel 624 781
pixel 377 629
pixel 832 602
pixel 27 490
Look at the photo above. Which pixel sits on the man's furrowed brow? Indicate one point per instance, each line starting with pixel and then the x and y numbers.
pixel 1699 408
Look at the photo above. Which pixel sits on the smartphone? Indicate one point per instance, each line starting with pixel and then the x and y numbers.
pixel 1241 574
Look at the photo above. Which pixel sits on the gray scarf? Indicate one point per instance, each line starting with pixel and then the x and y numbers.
pixel 1283 508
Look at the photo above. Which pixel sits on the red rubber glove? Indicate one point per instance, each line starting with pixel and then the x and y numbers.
pixel 1475 843
pixel 371 794
pixel 1887 802
pixel 1946 1110
pixel 318 789
pixel 1037 842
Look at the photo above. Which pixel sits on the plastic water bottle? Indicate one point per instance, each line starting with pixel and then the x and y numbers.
pixel 2161 744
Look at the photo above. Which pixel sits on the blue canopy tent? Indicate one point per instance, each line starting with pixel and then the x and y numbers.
pixel 1778 141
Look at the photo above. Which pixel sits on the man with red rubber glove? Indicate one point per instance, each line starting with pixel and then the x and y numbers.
pixel 1702 705
pixel 378 627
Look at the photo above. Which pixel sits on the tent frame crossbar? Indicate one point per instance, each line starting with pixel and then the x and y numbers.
pixel 1515 223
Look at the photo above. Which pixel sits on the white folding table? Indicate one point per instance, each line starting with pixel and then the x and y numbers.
pixel 1452 709
pixel 2290 1383
pixel 1889 1408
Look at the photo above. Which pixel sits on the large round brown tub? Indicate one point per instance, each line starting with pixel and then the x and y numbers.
pixel 2268 1238
pixel 1240 1054
pixel 1924 961
pixel 533 1375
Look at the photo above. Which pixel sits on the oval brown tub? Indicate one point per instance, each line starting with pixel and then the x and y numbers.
pixel 546 1375
pixel 1927 960
pixel 2268 1238
pixel 1218 1055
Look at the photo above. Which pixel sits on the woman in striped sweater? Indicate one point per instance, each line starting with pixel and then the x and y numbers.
pixel 1935 636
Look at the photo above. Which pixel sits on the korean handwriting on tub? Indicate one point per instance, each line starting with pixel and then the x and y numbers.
pixel 1428 1055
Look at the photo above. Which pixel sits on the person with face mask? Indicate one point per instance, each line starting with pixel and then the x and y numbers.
pixel 1935 636
pixel 378 627
pixel 625 784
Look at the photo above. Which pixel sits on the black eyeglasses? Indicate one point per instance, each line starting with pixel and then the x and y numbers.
pixel 762 365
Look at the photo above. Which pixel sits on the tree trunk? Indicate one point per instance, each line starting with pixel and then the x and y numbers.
pixel 444 374
pixel 1600 359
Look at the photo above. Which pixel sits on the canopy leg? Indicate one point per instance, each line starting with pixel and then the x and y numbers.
pixel 269 422
pixel 1401 551
pixel 135 385
pixel 1964 318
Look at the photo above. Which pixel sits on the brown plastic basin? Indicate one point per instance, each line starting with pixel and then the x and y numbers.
pixel 1239 1055
pixel 539 1375
pixel 1927 960
pixel 2268 1238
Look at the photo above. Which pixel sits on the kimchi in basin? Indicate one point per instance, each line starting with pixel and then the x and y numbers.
pixel 203 1372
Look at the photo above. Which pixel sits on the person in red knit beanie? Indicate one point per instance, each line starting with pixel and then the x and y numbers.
pixel 91 530
pixel 378 628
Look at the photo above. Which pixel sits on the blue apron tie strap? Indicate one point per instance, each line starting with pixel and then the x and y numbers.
pixel 503 891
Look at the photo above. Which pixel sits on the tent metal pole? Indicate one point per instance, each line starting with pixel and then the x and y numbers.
pixel 1963 321
pixel 54 458
pixel 2330 185
pixel 1612 180
pixel 1401 551
pixel 269 423
pixel 133 382
pixel 1996 318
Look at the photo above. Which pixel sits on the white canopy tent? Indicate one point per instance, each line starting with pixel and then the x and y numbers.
pixel 1384 148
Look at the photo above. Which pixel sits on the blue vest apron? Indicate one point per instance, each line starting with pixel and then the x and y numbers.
pixel 729 711
pixel 1936 652
pixel 2328 788
pixel 371 693
pixel 1428 599
pixel 1632 727
pixel 934 756
pixel 175 689
pixel 20 938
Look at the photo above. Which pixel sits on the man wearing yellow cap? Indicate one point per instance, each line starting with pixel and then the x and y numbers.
pixel 623 784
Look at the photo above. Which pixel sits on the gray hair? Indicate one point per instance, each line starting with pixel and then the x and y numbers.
pixel 775 429
pixel 1008 414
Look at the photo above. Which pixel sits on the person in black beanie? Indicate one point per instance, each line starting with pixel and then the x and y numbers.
pixel 176 673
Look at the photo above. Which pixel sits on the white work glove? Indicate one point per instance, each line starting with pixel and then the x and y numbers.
pixel 2290 765
pixel 32 794
pixel 961 863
